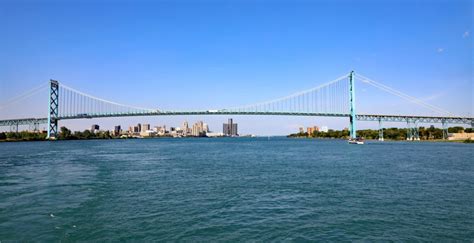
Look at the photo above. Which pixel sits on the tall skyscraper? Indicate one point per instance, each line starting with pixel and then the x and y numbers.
pixel 198 129
pixel 185 128
pixel 117 130
pixel 230 128
pixel 145 127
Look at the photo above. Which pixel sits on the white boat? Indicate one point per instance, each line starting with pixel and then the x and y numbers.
pixel 356 141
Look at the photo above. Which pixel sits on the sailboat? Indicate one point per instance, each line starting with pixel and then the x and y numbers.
pixel 358 140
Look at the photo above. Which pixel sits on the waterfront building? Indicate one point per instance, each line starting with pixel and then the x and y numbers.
pixel 94 128
pixel 324 129
pixel 178 132
pixel 198 129
pixel 311 130
pixel 185 128
pixel 145 127
pixel 162 130
pixel 147 133
pixel 173 132
pixel 301 129
pixel 461 136
pixel 214 134
pixel 117 130
pixel 230 128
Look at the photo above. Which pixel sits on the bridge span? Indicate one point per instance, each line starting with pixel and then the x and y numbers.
pixel 333 99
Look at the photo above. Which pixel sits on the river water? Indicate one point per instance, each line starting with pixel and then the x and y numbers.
pixel 236 189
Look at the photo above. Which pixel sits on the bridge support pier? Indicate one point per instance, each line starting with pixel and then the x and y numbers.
pixel 416 132
pixel 53 109
pixel 409 134
pixel 445 129
pixel 352 118
pixel 380 130
pixel 412 130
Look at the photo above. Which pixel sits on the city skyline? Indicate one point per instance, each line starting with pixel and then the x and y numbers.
pixel 227 130
pixel 150 63
pixel 196 129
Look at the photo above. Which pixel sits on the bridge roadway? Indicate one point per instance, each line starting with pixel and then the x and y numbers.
pixel 360 117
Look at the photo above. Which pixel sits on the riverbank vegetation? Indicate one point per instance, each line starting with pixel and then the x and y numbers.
pixel 430 133
pixel 64 134
pixel 22 136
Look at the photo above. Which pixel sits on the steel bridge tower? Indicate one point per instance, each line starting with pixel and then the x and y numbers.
pixel 53 109
pixel 352 117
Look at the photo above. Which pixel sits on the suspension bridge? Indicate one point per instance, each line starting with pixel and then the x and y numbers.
pixel 336 98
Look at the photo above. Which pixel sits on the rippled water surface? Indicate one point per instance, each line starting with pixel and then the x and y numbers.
pixel 235 189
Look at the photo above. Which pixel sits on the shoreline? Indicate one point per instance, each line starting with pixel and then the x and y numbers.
pixel 390 140
pixel 289 137
pixel 114 138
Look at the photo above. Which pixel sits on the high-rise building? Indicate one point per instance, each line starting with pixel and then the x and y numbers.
pixel 324 129
pixel 117 130
pixel 198 129
pixel 161 130
pixel 311 130
pixel 230 128
pixel 145 127
pixel 139 127
pixel 94 128
pixel 185 128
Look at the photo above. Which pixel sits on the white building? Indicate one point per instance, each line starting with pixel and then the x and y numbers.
pixel 324 129
pixel 214 134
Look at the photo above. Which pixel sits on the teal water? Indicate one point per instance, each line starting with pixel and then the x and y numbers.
pixel 246 189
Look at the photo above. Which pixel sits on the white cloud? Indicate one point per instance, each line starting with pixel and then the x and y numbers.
pixel 466 34
pixel 440 50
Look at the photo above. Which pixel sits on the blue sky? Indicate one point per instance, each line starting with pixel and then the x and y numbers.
pixel 217 54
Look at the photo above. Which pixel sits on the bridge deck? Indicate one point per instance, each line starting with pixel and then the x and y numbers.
pixel 360 117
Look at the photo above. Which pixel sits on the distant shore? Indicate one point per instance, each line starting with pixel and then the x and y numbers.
pixel 430 134
pixel 25 136
pixel 392 140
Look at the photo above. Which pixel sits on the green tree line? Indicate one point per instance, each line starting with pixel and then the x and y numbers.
pixel 388 133
pixel 64 134
pixel 22 136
